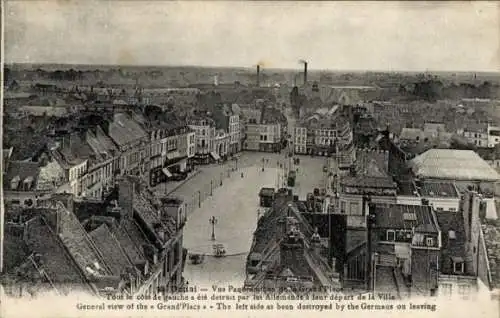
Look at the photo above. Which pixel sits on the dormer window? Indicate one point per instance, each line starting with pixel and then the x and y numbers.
pixel 429 241
pixel 458 264
pixel 14 183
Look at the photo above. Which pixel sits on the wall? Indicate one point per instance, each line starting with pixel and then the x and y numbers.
pixel 423 277
pixel 457 286
pixel 408 200
pixel 447 204
pixel 50 174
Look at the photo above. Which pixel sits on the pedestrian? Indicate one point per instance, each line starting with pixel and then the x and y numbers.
pixel 242 174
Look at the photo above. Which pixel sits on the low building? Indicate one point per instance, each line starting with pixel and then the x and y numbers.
pixel 353 192
pixel 482 135
pixel 463 167
pixel 442 196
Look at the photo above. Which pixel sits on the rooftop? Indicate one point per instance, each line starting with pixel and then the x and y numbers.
pixel 113 254
pixel 124 130
pixel 368 182
pixel 452 164
pixel 21 176
pixel 401 216
pixel 438 189
pixel 407 188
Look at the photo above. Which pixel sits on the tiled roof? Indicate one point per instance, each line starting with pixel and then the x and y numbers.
pixel 453 164
pixel 22 171
pixel 368 182
pixel 56 262
pixel 401 216
pixel 438 189
pixel 79 244
pixel 451 247
pixel 131 238
pixel 112 252
pixel 103 147
pixel 124 130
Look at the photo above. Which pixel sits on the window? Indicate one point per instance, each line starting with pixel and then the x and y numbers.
pixel 390 235
pixel 445 289
pixel 342 207
pixel 429 241
pixel 354 208
pixel 458 267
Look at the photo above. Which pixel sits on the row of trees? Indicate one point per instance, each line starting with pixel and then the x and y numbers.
pixel 434 89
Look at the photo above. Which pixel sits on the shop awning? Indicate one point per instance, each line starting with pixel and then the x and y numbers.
pixel 173 155
pixel 215 155
pixel 167 172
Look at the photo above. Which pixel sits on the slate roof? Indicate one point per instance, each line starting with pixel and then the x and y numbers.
pixel 55 260
pixel 124 130
pixel 113 254
pixel 394 216
pixel 451 247
pixel 452 164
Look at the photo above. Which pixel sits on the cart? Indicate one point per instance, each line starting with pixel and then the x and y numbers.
pixel 219 250
pixel 197 258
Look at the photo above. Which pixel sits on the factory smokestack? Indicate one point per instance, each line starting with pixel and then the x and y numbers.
pixel 305 70
pixel 305 73
pixel 258 75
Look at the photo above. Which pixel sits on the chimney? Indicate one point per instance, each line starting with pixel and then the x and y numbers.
pixel 126 190
pixel 258 75
pixel 305 73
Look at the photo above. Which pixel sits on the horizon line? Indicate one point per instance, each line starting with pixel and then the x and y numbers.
pixel 253 67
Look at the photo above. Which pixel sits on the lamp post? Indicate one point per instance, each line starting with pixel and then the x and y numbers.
pixel 213 221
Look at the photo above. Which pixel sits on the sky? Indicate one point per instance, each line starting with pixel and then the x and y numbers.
pixel 404 36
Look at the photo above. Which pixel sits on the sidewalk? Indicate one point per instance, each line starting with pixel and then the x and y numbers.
pixel 172 186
